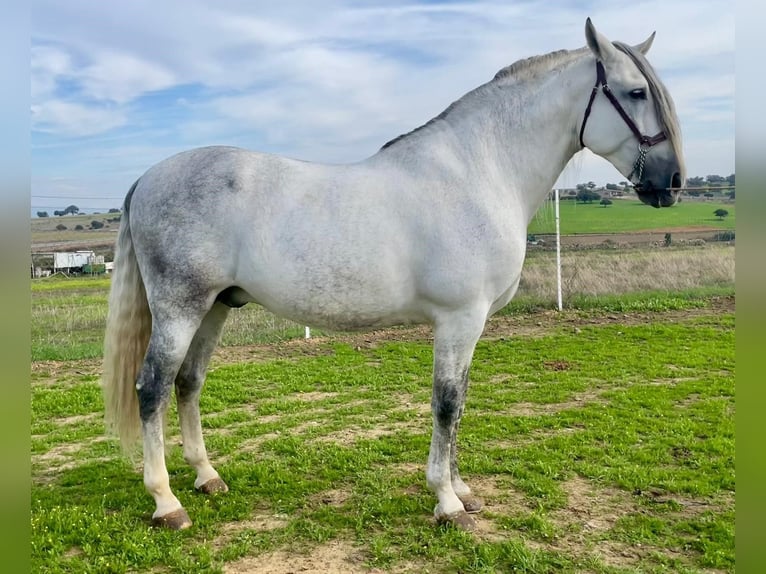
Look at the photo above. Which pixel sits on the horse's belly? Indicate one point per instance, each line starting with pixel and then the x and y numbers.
pixel 347 307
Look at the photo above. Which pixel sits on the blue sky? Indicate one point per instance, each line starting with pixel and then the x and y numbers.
pixel 118 86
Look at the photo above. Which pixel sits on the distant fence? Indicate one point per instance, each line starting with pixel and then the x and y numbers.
pixel 619 221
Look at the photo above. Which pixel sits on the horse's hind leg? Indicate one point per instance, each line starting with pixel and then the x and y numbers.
pixel 173 327
pixel 189 383
pixel 455 338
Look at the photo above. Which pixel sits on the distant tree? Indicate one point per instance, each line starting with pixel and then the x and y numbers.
pixel 730 179
pixel 78 227
pixel 59 213
pixel 73 209
pixel 585 196
pixel 605 202
pixel 42 214
pixel 61 227
pixel 715 179
pixel 695 181
pixel 694 193
pixel 114 210
pixel 731 194
pixel 720 213
pixel 96 224
pixel 613 187
pixel 591 185
pixel 709 194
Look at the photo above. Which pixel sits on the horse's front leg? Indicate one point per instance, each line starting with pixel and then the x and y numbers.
pixel 454 343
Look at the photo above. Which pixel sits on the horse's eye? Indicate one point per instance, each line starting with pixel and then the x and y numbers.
pixel 638 94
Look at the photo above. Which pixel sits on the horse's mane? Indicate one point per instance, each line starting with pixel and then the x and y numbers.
pixel 525 68
pixel 522 69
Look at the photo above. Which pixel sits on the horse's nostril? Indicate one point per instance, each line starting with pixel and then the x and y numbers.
pixel 675 181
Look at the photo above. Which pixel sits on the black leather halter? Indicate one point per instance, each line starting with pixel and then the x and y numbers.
pixel 644 142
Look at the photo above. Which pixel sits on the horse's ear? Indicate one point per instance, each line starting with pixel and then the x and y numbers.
pixel 598 43
pixel 644 46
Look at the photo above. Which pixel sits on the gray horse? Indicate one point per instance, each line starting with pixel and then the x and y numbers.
pixel 430 229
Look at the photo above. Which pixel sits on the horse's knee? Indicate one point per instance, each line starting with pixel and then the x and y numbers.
pixel 188 386
pixel 446 405
pixel 152 402
pixel 154 384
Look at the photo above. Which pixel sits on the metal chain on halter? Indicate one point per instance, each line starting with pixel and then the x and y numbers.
pixel 640 161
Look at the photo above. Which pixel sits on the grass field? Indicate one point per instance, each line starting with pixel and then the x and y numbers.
pixel 44 228
pixel 601 443
pixel 630 215
pixel 601 438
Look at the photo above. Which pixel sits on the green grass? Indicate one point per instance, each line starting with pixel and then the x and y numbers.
pixel 65 283
pixel 68 318
pixel 628 215
pixel 653 301
pixel 604 449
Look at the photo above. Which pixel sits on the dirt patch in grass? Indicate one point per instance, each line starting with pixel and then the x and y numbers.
pixel 378 428
pixel 535 409
pixel 592 510
pixel 312 396
pixel 335 497
pixel 49 465
pixel 250 445
pixel 335 556
pixel 535 437
pixel 259 523
pixel 353 433
pixel 46 373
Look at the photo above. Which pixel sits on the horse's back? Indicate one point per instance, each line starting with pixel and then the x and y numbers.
pixel 307 240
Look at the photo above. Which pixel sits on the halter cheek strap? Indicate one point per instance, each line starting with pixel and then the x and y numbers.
pixel 644 142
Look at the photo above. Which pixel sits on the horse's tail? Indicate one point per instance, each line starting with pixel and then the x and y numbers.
pixel 128 327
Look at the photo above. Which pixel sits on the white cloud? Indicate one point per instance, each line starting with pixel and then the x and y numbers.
pixel 122 77
pixel 47 65
pixel 75 119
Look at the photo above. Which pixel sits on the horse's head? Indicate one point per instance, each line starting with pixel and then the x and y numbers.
pixel 630 120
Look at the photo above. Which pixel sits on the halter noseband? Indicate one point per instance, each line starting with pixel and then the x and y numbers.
pixel 644 142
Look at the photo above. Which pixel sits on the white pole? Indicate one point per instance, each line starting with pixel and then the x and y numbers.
pixel 558 251
pixel 307 334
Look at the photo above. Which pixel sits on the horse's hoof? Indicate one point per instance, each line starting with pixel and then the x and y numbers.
pixel 213 486
pixel 460 520
pixel 471 503
pixel 176 520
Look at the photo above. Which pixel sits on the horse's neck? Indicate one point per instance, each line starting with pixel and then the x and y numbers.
pixel 518 136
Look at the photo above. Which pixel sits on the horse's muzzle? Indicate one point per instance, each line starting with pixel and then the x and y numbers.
pixel 660 197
